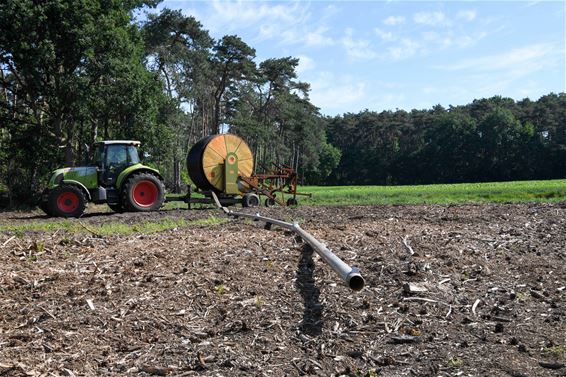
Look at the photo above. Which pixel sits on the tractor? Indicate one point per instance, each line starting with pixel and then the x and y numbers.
pixel 115 177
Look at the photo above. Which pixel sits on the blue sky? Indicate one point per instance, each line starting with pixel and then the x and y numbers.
pixel 387 55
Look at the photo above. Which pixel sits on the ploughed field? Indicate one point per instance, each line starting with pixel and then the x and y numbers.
pixel 470 290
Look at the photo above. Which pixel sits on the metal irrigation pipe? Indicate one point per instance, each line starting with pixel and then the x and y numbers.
pixel 350 275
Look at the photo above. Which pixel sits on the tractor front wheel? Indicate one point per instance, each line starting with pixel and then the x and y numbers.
pixel 66 201
pixel 143 192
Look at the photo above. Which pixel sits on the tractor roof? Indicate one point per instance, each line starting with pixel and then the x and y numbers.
pixel 124 142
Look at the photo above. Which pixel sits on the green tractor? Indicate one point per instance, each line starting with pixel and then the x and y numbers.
pixel 116 177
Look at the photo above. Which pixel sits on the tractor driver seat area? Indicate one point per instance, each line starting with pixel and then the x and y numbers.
pixel 117 158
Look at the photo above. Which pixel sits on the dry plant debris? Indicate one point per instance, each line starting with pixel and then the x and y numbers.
pixel 451 291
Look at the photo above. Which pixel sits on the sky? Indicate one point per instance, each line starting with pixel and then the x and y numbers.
pixel 387 55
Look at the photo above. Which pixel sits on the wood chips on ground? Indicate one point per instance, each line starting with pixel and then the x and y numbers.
pixel 475 290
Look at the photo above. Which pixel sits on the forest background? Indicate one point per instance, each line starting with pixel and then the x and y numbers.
pixel 72 73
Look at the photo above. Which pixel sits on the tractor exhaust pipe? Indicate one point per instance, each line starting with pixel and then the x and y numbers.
pixel 350 275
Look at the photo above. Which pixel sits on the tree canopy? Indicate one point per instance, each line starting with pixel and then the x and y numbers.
pixel 494 139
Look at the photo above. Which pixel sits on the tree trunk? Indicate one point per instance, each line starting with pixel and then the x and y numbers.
pixel 176 175
pixel 216 123
pixel 69 160
pixel 10 171
pixel 94 133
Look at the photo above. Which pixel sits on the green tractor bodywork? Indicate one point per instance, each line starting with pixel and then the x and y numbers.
pixel 116 177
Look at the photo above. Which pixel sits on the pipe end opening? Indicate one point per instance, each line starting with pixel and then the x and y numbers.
pixel 356 283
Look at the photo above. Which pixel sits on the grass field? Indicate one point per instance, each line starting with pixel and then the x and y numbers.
pixel 107 229
pixel 497 192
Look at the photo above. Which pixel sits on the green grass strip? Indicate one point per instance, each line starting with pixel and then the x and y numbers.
pixel 108 229
pixel 462 193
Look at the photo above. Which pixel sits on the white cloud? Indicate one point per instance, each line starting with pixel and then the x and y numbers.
pixel 386 36
pixel 318 38
pixel 400 44
pixel 507 72
pixel 405 49
pixel 394 20
pixel 305 64
pixel 285 23
pixel 329 91
pixel 435 39
pixel 269 20
pixel 430 18
pixel 330 11
pixel 469 40
pixel 267 31
pixel 519 59
pixel 357 49
pixel 244 13
pixel 533 3
pixel 451 39
pixel 467 15
pixel 313 38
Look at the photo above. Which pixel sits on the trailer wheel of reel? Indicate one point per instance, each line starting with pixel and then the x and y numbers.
pixel 269 202
pixel 250 200
pixel 292 202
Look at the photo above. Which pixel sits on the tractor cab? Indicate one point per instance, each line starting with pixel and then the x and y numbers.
pixel 112 157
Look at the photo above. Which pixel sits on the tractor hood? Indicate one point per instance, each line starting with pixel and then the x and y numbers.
pixel 86 175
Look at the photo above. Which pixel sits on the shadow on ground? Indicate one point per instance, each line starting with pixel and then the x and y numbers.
pixel 312 317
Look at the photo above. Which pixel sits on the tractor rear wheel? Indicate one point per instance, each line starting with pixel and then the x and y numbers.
pixel 66 201
pixel 143 192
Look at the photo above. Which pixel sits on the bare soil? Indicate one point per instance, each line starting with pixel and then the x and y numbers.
pixel 237 300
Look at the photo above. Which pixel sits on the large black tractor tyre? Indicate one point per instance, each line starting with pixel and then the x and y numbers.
pixel 143 192
pixel 66 201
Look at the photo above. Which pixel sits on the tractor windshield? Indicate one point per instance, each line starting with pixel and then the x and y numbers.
pixel 119 155
pixel 116 156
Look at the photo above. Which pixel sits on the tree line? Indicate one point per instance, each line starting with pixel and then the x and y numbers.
pixel 74 72
pixel 494 139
